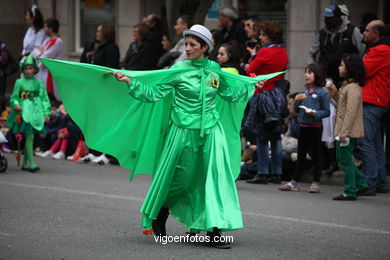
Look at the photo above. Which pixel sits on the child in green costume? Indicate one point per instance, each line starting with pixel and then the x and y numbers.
pixel 31 107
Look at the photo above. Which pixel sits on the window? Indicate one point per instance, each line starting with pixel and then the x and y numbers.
pixel 89 15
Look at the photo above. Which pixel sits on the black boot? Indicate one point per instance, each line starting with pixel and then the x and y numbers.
pixel 215 239
pixel 259 179
pixel 275 178
pixel 158 225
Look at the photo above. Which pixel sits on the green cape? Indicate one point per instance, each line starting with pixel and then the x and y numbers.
pixel 130 130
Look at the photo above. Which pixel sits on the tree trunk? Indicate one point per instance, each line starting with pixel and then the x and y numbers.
pixel 201 11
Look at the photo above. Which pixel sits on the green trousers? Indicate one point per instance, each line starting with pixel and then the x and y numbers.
pixel 353 179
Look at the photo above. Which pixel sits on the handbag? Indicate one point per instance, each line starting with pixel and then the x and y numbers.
pixel 11 67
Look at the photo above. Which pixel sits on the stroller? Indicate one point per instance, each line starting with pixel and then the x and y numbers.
pixel 3 159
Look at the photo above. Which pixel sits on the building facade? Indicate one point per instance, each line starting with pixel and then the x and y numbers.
pixel 79 19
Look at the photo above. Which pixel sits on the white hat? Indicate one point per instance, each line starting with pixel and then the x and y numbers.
pixel 201 32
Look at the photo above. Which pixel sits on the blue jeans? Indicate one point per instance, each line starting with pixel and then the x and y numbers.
pixel 371 147
pixel 263 160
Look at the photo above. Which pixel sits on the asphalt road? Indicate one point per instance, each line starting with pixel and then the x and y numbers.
pixel 80 211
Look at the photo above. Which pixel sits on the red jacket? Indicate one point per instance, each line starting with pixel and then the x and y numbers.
pixel 377 63
pixel 269 60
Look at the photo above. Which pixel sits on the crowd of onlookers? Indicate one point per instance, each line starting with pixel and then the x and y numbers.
pixel 347 79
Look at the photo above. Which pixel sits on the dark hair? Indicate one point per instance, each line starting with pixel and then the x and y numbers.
pixel 186 19
pixel 53 24
pixel 234 59
pixel 319 74
pixel 217 36
pixel 144 31
pixel 37 19
pixel 157 22
pixel 202 43
pixel 256 29
pixel 108 32
pixel 355 68
pixel 380 29
pixel 273 30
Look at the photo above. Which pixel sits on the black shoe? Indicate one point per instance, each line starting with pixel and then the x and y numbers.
pixel 25 169
pixel 344 197
pixel 216 236
pixel 158 225
pixel 366 192
pixel 243 177
pixel 35 169
pixel 275 178
pixel 382 190
pixel 259 179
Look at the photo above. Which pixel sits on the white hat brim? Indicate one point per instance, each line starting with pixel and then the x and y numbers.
pixel 195 33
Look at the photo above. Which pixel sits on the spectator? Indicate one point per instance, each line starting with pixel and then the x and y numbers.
pixel 183 23
pixel 253 45
pixel 338 36
pixel 177 53
pixel 57 120
pixel 228 58
pixel 349 122
pixel 312 104
pixel 153 22
pixel 376 98
pixel 231 28
pixel 141 54
pixel 271 104
pixel 35 35
pixel 52 48
pixel 166 42
pixel 58 149
pixel 4 54
pixel 105 52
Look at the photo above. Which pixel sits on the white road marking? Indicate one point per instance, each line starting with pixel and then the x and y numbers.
pixel 105 195
pixel 7 234
pixel 253 214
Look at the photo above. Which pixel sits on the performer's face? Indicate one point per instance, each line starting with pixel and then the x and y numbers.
pixel 29 71
pixel 193 49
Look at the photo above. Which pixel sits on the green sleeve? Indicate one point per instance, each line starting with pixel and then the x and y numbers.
pixel 46 107
pixel 146 93
pixel 234 93
pixel 15 97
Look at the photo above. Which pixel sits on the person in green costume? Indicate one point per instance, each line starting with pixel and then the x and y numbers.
pixel 174 125
pixel 194 178
pixel 31 107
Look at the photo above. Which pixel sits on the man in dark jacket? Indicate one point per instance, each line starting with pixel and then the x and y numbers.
pixel 231 28
pixel 338 36
pixel 376 98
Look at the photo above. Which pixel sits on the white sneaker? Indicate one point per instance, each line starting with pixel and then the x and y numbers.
pixel 59 156
pixel 47 154
pixel 102 160
pixel 70 158
pixel 89 157
pixel 39 154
